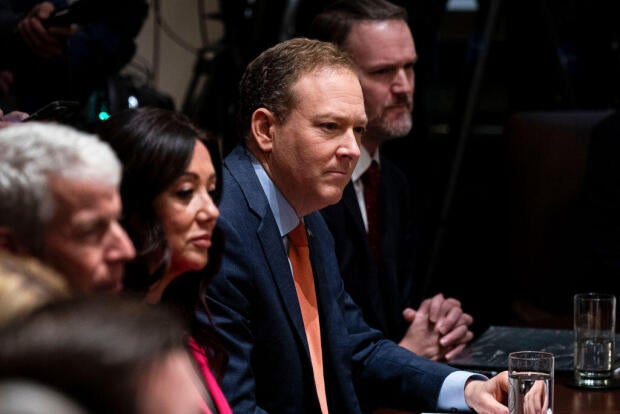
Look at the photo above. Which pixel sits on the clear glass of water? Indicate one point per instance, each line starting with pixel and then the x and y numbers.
pixel 594 332
pixel 530 376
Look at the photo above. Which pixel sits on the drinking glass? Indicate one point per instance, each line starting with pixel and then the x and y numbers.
pixel 530 376
pixel 594 332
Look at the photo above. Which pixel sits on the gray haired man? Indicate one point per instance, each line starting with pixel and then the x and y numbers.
pixel 60 203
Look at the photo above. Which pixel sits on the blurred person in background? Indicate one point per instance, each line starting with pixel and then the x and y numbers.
pixel 47 57
pixel 26 284
pixel 29 397
pixel 60 203
pixel 107 354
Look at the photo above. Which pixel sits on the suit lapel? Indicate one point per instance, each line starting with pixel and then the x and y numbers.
pixel 277 258
pixel 370 278
pixel 349 200
pixel 390 220
pixel 240 167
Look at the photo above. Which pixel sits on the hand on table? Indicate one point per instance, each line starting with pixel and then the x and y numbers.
pixel 535 400
pixel 488 397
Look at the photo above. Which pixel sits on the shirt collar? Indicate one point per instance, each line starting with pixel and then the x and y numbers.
pixel 364 162
pixel 283 212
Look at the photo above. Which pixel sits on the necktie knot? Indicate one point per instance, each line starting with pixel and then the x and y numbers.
pixel 370 178
pixel 297 236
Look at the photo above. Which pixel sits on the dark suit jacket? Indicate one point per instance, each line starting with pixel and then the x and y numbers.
pixel 382 292
pixel 255 309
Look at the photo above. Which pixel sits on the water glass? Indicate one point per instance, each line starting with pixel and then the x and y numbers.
pixel 530 376
pixel 594 332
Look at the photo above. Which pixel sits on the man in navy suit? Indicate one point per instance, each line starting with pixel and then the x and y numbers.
pixel 376 35
pixel 301 117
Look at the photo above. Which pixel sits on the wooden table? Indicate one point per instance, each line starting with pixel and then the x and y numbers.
pixel 570 400
pixel 489 353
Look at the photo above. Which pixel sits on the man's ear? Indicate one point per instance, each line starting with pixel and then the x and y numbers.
pixel 263 123
pixel 8 241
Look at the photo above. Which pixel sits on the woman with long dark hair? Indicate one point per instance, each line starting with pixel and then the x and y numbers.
pixel 169 193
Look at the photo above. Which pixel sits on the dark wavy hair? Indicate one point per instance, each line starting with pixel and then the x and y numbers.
pixel 155 147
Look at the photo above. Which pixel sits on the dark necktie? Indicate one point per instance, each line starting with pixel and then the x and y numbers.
pixel 299 255
pixel 371 182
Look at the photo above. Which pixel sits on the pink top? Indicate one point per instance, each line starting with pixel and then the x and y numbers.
pixel 213 387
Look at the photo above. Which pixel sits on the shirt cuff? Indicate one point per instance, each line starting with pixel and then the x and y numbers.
pixel 452 394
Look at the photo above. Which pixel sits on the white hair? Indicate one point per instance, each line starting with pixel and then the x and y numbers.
pixel 31 153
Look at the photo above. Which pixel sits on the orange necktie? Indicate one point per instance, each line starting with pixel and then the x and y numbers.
pixel 299 255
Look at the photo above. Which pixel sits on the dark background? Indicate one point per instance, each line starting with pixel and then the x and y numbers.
pixel 506 97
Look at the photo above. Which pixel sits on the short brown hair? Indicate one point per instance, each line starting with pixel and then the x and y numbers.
pixel 334 23
pixel 268 80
